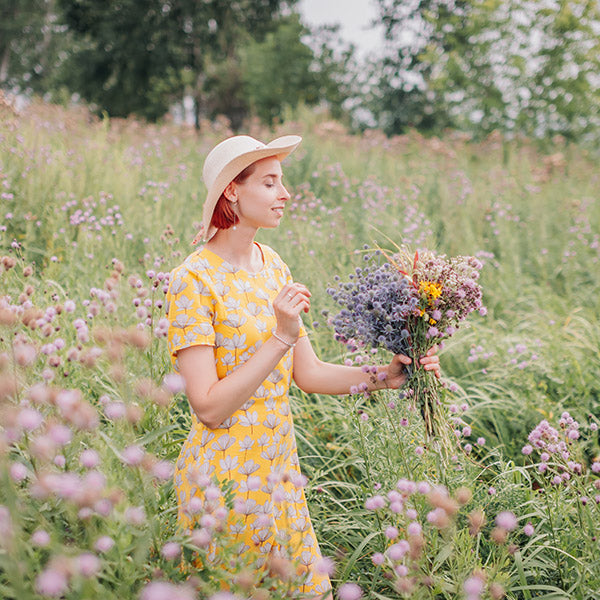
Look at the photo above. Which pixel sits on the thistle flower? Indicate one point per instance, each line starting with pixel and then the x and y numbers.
pixel 349 591
pixel 506 520
pixel 51 583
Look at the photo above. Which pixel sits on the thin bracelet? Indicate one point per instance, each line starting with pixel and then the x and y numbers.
pixel 282 340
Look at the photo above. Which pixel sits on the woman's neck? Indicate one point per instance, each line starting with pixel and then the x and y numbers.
pixel 237 247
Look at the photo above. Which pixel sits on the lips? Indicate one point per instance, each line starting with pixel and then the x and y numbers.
pixel 278 210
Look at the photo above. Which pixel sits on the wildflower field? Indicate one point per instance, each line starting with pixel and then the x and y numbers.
pixel 93 216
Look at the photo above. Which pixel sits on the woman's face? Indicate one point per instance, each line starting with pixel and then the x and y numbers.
pixel 262 196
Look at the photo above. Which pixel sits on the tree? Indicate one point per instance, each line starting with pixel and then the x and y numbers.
pixel 277 72
pixel 138 57
pixel 124 57
pixel 30 44
pixel 517 66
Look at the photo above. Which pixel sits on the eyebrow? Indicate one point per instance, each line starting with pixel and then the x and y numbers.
pixel 274 175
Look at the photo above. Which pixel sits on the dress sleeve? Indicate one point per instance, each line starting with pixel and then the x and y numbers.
pixel 190 310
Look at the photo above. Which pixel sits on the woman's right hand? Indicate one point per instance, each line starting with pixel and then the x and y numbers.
pixel 289 303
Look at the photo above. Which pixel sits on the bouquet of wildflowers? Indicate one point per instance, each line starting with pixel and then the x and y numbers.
pixel 407 304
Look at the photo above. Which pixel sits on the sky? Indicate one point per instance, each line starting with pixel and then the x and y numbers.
pixel 353 15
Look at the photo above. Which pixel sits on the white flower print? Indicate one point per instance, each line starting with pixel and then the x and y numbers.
pixel 182 321
pixel 235 342
pixel 262 295
pixel 271 284
pixel 252 309
pixel 200 288
pixel 242 286
pixel 177 286
pixel 272 421
pixel 232 303
pixel 275 377
pixel 203 329
pixel 249 467
pixel 234 320
pixel 221 290
pixel 246 443
pixel 184 303
pixel 206 437
pixel 229 463
pixel 249 419
pixel 223 443
pixel 228 360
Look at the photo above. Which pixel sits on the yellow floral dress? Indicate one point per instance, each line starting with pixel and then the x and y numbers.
pixel 210 302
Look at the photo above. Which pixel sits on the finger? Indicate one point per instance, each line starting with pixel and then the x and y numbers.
pixel 431 351
pixel 427 360
pixel 302 288
pixel 405 360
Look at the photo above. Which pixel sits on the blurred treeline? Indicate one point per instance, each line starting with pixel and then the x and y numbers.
pixel 530 68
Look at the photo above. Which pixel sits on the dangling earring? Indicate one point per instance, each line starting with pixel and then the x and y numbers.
pixel 235 216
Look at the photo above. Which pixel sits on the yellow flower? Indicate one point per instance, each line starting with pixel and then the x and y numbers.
pixel 431 288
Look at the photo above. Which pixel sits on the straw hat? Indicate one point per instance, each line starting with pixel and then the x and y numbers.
pixel 227 160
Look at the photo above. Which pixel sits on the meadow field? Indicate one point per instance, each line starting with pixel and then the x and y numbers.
pixel 94 214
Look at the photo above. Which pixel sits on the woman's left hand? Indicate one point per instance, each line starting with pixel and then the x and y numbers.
pixel 396 374
pixel 431 361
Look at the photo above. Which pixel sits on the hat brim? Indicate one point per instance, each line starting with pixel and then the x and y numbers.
pixel 279 148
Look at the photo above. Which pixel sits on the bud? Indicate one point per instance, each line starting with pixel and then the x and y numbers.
pixel 476 521
pixel 7 317
pixel 138 338
pixel 8 262
pixel 281 567
pixel 496 591
pixel 27 271
pixel 463 495
pixel 134 413
pixel 499 535
pixel 440 499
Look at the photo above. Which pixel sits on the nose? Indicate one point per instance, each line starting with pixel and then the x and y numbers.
pixel 285 195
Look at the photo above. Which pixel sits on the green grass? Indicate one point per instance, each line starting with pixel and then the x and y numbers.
pixel 535 223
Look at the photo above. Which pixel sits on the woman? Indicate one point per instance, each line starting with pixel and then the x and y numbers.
pixel 237 339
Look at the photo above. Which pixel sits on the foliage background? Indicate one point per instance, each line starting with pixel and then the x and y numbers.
pixel 532 218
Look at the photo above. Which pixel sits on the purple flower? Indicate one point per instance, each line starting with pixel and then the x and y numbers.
pixel 161 590
pixel 528 529
pixel 88 564
pixel 527 449
pixel 174 383
pixel 104 543
pixel 349 591
pixel 133 455
pixel 414 528
pixel 89 459
pixel 170 550
pixel 40 538
pixel 506 520
pixel 378 558
pixel 325 566
pixel 30 419
pixel 51 583
pixel 375 502
pixel 397 551
pixel 18 471
pixel 473 586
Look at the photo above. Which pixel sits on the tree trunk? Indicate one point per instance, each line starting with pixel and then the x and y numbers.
pixel 4 64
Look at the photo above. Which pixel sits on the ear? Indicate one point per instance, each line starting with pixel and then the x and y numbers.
pixel 230 192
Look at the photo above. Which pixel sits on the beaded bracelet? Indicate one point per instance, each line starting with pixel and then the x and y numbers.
pixel 282 340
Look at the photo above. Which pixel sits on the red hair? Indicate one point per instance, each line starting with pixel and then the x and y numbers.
pixel 224 216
